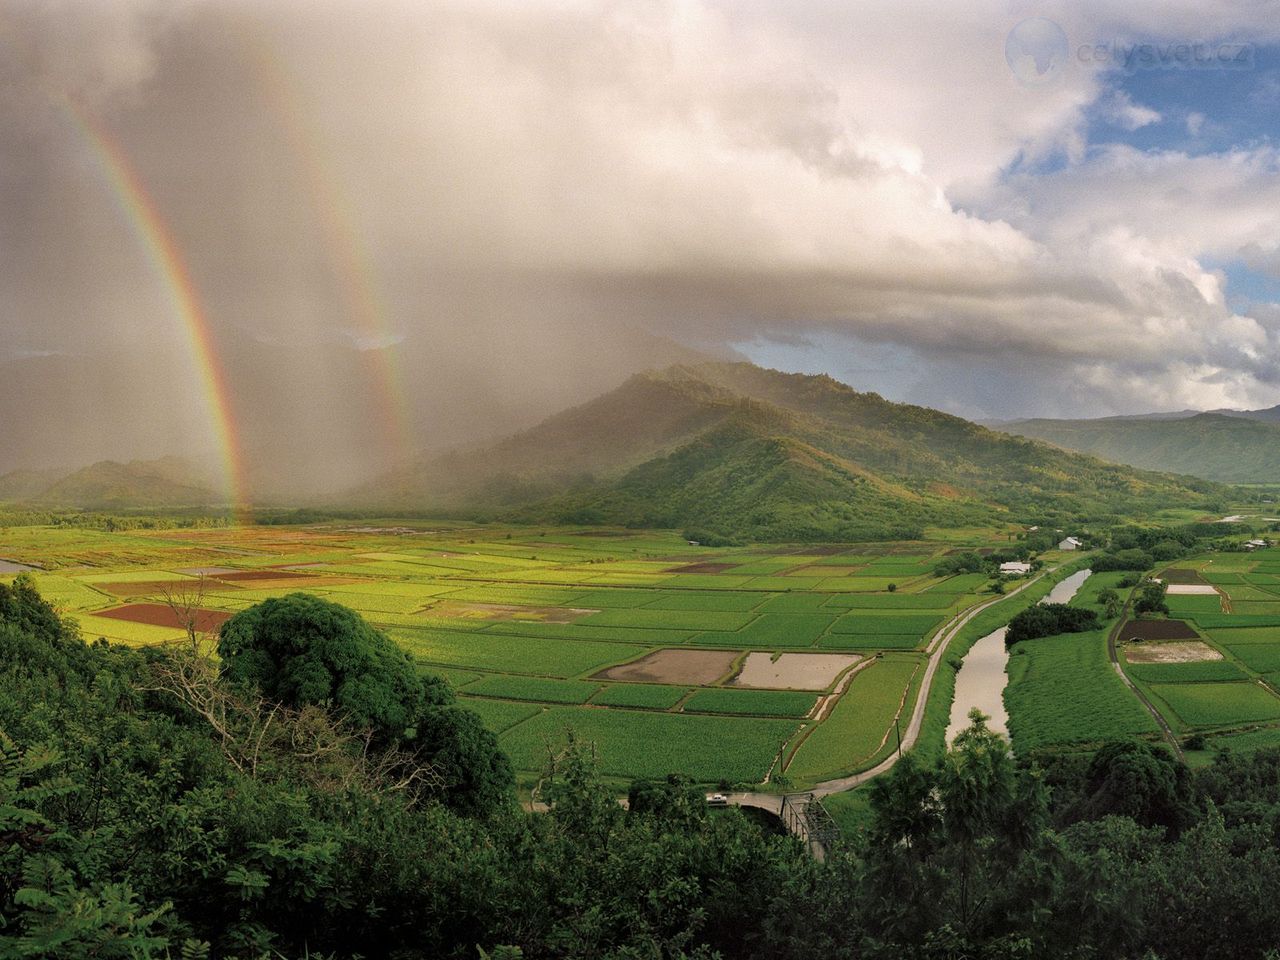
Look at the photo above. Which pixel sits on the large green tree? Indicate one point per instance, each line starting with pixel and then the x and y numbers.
pixel 300 649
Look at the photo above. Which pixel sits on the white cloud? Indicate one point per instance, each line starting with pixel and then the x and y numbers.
pixel 1118 108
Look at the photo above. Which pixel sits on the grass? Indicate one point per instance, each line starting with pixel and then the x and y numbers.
pixel 1063 690
pixel 632 743
pixel 857 726
pixel 1219 704
pixel 538 689
pixel 764 703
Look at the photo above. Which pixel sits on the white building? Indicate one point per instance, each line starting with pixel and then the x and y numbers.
pixel 1256 544
pixel 1071 543
pixel 1015 567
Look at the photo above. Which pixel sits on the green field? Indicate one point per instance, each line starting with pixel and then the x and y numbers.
pixel 1219 704
pixel 860 724
pixel 522 621
pixel 1063 690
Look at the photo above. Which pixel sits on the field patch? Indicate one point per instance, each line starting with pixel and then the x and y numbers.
pixel 634 743
pixel 500 715
pixel 250 576
pixel 491 652
pixel 763 703
pixel 669 619
pixel 1156 630
pixel 1182 672
pixel 1188 651
pixel 859 724
pixel 1260 657
pixel 703 567
pixel 693 667
pixel 650 696
pixel 794 671
pixel 1175 576
pixel 1063 690
pixel 1219 704
pixel 538 689
pixel 1191 590
pixel 458 610
pixel 869 622
pixel 160 615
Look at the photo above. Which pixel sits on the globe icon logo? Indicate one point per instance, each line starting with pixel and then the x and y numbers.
pixel 1036 51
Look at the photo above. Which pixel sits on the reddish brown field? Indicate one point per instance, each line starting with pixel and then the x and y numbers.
pixel 160 615
pixel 1157 630
pixel 704 567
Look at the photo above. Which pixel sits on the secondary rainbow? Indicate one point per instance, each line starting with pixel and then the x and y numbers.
pixel 353 267
pixel 162 250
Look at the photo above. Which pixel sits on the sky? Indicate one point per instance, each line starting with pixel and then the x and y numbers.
pixel 409 225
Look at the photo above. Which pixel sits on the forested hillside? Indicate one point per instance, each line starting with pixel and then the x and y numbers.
pixel 765 455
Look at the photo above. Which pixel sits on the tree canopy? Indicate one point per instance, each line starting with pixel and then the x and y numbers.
pixel 301 649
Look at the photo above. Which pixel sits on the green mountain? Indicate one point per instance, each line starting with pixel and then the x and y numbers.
pixel 109 485
pixel 738 449
pixel 1227 447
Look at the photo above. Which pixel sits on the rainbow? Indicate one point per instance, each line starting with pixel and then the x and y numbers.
pixel 161 247
pixel 348 254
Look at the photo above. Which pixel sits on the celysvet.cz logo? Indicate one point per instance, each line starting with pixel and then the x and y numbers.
pixel 1039 52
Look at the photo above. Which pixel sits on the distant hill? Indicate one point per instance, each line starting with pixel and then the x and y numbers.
pixel 735 448
pixel 109 485
pixel 1231 447
pixel 25 484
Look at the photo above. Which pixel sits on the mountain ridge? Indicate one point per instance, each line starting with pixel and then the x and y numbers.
pixel 768 455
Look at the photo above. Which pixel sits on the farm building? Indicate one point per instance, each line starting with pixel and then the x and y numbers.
pixel 1071 543
pixel 1256 544
pixel 1016 567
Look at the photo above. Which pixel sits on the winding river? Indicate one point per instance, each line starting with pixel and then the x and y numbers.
pixel 981 680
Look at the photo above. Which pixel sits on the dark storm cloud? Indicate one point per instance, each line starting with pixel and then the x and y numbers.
pixel 544 197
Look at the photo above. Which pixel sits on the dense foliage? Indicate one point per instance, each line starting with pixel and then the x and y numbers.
pixel 1049 619
pixel 301 650
pixel 148 809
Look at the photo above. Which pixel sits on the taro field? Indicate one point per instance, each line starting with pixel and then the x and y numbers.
pixel 730 665
pixel 1213 668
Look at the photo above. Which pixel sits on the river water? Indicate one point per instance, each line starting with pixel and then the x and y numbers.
pixel 981 680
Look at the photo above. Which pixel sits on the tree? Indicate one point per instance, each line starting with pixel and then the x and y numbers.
pixel 1110 602
pixel 300 650
pixel 1130 778
pixel 1047 620
pixel 1151 599
pixel 477 775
